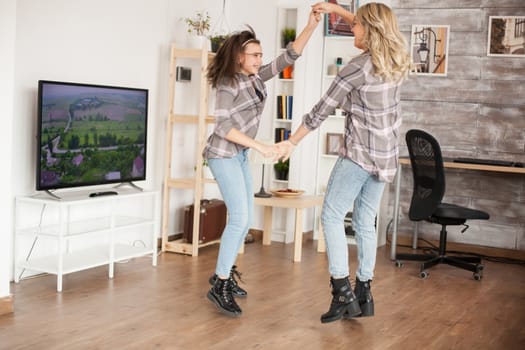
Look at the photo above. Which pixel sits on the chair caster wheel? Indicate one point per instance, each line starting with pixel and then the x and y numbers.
pixel 399 263
pixel 477 276
pixel 423 274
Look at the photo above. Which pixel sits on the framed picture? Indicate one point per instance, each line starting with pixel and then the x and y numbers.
pixel 506 36
pixel 334 24
pixel 334 142
pixel 429 49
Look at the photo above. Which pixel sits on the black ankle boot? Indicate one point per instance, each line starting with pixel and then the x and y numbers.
pixel 364 295
pixel 236 290
pixel 221 295
pixel 344 301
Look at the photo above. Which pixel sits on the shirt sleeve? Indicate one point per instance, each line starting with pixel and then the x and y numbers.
pixel 349 78
pixel 287 58
pixel 223 109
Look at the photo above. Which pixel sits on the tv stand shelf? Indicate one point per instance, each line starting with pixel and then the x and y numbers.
pixel 80 232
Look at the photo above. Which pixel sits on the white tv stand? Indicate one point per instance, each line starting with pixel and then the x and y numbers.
pixel 79 232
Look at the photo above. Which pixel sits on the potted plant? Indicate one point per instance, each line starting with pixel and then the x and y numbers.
pixel 198 28
pixel 288 35
pixel 216 41
pixel 281 169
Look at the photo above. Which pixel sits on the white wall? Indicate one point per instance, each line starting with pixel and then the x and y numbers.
pixel 7 56
pixel 114 42
pixel 118 42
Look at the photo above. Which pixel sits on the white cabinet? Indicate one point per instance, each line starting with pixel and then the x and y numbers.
pixel 283 114
pixel 285 118
pixel 79 232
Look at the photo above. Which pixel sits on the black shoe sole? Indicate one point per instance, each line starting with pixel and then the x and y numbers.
pixel 235 291
pixel 221 309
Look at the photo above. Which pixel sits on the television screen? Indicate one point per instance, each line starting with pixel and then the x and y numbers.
pixel 90 134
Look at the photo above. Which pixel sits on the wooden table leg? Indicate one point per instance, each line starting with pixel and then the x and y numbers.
pixel 298 242
pixel 267 228
pixel 321 245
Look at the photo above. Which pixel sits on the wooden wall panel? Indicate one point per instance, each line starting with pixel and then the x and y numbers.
pixel 464 67
pixel 496 92
pixel 439 113
pixel 460 20
pixel 477 110
pixel 451 4
pixel 502 4
pixel 468 44
pixel 478 185
pixel 503 116
pixel 503 68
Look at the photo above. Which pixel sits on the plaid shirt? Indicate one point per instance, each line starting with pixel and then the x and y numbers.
pixel 372 117
pixel 240 106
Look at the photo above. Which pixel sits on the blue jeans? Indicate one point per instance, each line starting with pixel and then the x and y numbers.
pixel 350 184
pixel 235 183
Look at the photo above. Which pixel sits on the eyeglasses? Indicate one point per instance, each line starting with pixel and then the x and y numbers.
pixel 254 54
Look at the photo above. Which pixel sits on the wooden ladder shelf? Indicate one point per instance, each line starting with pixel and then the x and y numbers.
pixel 196 183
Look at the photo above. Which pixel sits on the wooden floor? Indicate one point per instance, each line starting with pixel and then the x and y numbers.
pixel 166 308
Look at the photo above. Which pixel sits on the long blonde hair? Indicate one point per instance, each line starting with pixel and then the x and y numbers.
pixel 383 40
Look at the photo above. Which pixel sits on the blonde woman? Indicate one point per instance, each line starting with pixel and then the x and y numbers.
pixel 368 90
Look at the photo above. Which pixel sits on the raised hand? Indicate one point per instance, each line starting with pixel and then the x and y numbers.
pixel 324 7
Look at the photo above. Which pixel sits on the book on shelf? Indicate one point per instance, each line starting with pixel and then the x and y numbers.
pixel 281 134
pixel 284 107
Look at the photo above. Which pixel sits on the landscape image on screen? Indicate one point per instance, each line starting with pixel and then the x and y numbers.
pixel 90 135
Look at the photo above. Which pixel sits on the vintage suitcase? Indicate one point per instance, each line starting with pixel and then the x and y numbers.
pixel 212 221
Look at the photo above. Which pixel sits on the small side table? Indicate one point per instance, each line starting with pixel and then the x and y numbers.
pixel 297 203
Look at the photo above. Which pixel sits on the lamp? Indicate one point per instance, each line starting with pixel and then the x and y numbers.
pixel 424 36
pixel 257 158
pixel 423 52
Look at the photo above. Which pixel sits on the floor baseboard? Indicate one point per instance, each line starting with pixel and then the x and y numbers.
pixel 256 234
pixel 6 305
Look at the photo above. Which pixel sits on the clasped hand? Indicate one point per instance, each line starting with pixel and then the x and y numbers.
pixel 279 151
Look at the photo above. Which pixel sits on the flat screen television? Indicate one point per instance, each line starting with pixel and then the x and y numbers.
pixel 90 134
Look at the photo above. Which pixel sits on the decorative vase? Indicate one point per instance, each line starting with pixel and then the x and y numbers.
pixel 217 41
pixel 198 42
pixel 281 175
pixel 287 72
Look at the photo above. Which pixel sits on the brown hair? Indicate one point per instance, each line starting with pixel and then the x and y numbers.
pixel 226 62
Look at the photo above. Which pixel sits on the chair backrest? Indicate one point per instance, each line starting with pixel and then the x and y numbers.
pixel 429 175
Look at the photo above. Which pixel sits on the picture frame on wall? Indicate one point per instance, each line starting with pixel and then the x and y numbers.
pixel 429 49
pixel 335 25
pixel 334 141
pixel 506 36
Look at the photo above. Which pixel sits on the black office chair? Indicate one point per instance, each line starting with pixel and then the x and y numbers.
pixel 426 204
